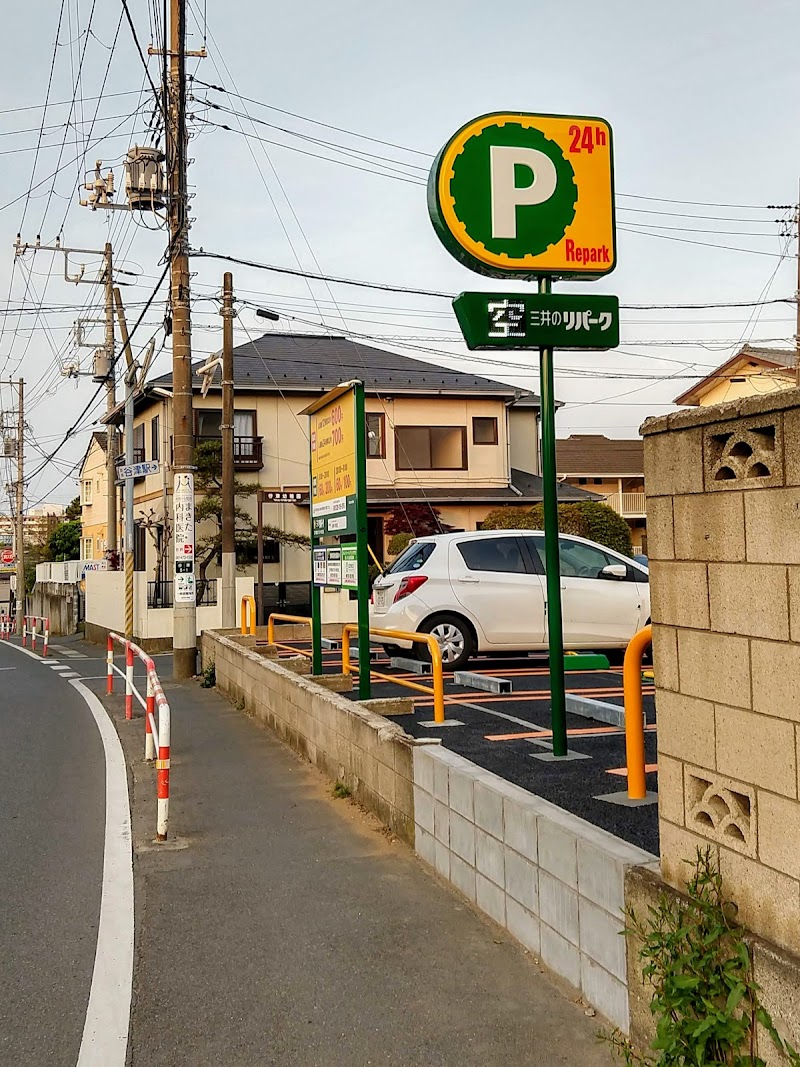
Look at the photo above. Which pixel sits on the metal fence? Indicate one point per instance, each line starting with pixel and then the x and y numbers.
pixel 291 597
pixel 159 594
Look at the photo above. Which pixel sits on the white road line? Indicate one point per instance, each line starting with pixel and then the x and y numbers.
pixel 105 1032
pixel 498 714
pixel 69 674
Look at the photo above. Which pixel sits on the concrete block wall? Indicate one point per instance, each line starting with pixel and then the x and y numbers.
pixel 723 518
pixel 554 881
pixel 347 741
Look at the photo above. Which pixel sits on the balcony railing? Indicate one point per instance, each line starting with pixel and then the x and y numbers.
pixel 159 593
pixel 247 453
pixel 629 505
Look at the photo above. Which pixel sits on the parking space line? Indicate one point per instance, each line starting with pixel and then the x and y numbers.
pixel 623 771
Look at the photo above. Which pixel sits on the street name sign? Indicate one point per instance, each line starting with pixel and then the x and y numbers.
pixel 533 320
pixel 137 470
pixel 527 195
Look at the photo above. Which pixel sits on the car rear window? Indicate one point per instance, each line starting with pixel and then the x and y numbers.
pixel 412 559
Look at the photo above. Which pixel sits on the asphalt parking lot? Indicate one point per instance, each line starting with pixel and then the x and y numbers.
pixel 505 733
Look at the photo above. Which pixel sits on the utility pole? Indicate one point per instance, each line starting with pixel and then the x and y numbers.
pixel 19 525
pixel 184 639
pixel 111 403
pixel 797 294
pixel 228 501
pixel 130 383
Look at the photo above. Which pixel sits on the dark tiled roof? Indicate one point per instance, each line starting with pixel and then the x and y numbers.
pixel 101 437
pixel 316 362
pixel 595 454
pixel 529 485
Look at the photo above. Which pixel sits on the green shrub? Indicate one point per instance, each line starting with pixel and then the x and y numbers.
pixel 399 543
pixel 511 518
pixel 585 518
pixel 605 526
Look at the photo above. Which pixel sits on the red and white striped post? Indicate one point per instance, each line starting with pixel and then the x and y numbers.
pixel 110 665
pixel 150 710
pixel 162 763
pixel 24 630
pixel 46 635
pixel 128 681
pixel 32 620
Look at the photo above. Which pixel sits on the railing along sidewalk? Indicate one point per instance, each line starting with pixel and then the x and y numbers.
pixel 33 633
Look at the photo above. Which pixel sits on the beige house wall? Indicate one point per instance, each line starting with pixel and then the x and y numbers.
pixel 723 490
pixel 756 383
pixel 94 515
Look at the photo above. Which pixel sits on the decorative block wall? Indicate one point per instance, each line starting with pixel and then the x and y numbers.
pixel 723 518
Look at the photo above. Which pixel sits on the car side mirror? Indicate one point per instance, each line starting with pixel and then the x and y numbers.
pixel 614 570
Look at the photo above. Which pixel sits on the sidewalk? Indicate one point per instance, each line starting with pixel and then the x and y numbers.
pixel 291 931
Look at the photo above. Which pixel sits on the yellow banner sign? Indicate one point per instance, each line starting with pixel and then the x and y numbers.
pixel 333 463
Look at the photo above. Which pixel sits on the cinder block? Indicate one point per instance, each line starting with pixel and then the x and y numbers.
pixel 768 901
pixel 776 679
pixel 519 823
pixel 560 955
pixel 715 666
pixel 441 774
pixel 441 822
pixel 523 925
pixel 425 845
pixel 758 749
pixel 749 598
pixel 522 881
pixel 462 785
pixel 601 877
pixel 771 518
pixel 660 537
pixel 442 859
pixel 558 851
pixel 686 728
pixel 779 833
pixel 665 656
pixel 678 849
pixel 794 602
pixel 602 938
pixel 423 807
pixel 709 527
pixel 489 857
pixel 488 809
pixel 462 875
pixel 673 463
pixel 423 769
pixel 491 899
pixel 606 993
pixel 558 907
pixel 462 837
pixel 679 594
pixel 670 789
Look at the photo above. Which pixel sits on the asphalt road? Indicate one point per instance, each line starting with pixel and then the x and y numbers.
pixel 52 814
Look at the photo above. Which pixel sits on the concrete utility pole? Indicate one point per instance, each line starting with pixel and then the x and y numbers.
pixel 111 403
pixel 130 384
pixel 228 501
pixel 19 524
pixel 797 294
pixel 184 639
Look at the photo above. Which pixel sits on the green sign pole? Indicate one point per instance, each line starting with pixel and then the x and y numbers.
pixel 558 709
pixel 364 685
pixel 316 598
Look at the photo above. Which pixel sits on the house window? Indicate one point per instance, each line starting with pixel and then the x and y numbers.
pixel 86 552
pixel 154 440
pixel 208 427
pixel 597 481
pixel 430 448
pixel 138 443
pixel 583 481
pixel 376 435
pixel 139 548
pixel 484 431
pixel 86 491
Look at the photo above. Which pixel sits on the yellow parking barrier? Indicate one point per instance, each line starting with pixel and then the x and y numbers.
pixel 302 619
pixel 248 615
pixel 402 635
pixel 634 714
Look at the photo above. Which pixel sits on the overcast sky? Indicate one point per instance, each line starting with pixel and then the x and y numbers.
pixel 702 98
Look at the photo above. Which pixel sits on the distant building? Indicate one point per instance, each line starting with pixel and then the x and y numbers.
pixel 613 468
pixel 750 372
pixel 94 492
pixel 37 524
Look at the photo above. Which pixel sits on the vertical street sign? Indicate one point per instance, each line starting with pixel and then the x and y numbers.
pixel 185 591
pixel 527 196
pixel 338 474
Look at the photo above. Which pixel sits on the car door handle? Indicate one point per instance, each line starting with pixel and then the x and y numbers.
pixel 473 581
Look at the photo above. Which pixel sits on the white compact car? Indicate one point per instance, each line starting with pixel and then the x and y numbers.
pixel 485 591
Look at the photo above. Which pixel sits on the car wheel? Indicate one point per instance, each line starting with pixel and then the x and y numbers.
pixel 393 650
pixel 455 641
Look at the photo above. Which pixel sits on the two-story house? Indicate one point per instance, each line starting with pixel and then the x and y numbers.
pixel 439 437
pixel 612 468
pixel 751 372
pixel 94 496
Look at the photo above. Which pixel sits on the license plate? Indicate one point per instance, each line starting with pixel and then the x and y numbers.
pixel 381 599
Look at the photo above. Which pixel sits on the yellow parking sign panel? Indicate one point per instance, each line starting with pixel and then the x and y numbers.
pixel 333 465
pixel 526 195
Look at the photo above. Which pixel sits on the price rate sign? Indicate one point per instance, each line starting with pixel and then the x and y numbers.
pixel 333 467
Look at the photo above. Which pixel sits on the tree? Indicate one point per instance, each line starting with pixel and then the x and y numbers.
pixel 584 518
pixel 73 509
pixel 208 485
pixel 65 541
pixel 419 520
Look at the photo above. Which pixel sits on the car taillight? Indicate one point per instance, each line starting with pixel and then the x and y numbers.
pixel 409 585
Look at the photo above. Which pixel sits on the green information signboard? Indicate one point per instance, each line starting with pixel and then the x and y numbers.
pixel 514 320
